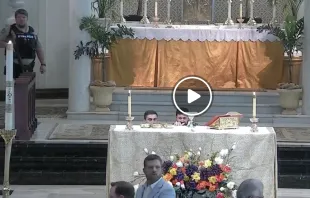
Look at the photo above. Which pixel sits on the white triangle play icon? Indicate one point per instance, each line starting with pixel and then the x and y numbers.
pixel 192 96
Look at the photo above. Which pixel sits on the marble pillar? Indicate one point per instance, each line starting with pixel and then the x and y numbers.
pixel 15 5
pixel 79 70
pixel 306 62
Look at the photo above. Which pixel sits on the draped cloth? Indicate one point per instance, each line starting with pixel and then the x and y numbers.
pixel 223 64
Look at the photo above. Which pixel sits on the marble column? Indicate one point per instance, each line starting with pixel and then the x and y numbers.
pixel 306 62
pixel 79 70
pixel 15 5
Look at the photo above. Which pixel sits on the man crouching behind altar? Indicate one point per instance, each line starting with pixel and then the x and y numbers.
pixel 155 186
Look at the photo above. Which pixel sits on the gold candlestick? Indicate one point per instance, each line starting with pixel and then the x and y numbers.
pixel 7 136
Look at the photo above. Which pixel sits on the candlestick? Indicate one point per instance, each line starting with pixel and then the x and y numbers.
pixel 168 20
pixel 241 13
pixel 229 21
pixel 145 20
pixel 129 103
pixel 274 13
pixel 252 21
pixel 156 8
pixel 254 105
pixel 123 20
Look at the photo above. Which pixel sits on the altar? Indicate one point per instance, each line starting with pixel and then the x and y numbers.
pixel 255 155
pixel 225 56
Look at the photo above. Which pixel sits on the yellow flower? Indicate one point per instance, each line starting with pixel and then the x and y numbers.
pixel 186 178
pixel 208 163
pixel 196 177
pixel 186 156
pixel 212 180
pixel 173 171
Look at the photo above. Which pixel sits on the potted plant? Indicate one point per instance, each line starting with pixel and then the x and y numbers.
pixel 102 8
pixel 102 39
pixel 290 37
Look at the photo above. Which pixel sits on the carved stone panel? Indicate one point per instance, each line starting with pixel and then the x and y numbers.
pixel 197 10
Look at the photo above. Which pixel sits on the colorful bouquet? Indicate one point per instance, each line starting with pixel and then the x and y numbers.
pixel 190 175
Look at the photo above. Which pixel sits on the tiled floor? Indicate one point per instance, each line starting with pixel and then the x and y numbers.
pixel 99 192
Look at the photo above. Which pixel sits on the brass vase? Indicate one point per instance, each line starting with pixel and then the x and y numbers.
pixel 296 70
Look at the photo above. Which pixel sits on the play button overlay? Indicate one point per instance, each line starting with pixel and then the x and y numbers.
pixel 194 94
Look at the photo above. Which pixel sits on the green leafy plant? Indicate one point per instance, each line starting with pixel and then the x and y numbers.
pixel 102 7
pixel 101 38
pixel 290 36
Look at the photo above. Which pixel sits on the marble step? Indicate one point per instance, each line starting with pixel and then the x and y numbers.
pixel 215 108
pixel 270 97
pixel 264 119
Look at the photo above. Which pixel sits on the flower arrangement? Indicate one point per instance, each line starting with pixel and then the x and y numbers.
pixel 190 175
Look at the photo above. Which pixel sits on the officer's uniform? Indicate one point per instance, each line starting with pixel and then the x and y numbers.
pixel 25 45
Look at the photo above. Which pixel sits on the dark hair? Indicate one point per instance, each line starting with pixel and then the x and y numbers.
pixel 149 112
pixel 124 188
pixel 183 109
pixel 152 157
pixel 21 11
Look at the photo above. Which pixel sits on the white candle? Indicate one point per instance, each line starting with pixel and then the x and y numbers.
pixel 254 105
pixel 9 99
pixel 129 103
pixel 241 10
pixel 145 8
pixel 155 8
pixel 229 8
pixel 168 7
pixel 274 9
pixel 122 8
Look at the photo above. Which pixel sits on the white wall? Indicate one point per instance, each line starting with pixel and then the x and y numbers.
pixel 50 19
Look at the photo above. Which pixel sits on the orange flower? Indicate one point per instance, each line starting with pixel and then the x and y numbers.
pixel 202 185
pixel 168 177
pixel 220 178
pixel 183 170
pixel 212 188
pixel 182 159
pixel 201 163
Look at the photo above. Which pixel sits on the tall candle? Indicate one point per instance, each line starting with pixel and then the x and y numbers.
pixel 122 8
pixel 9 99
pixel 145 8
pixel 229 8
pixel 254 105
pixel 241 10
pixel 129 103
pixel 155 8
pixel 168 11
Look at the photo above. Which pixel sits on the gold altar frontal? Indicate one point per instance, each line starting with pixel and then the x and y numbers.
pixel 224 65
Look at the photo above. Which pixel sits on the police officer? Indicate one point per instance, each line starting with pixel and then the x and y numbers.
pixel 26 44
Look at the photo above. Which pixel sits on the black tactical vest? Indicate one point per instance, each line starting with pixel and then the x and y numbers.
pixel 25 43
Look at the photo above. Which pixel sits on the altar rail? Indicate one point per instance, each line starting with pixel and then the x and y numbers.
pixel 25 94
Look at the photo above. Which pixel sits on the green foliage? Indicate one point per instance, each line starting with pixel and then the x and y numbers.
pixel 102 7
pixel 290 36
pixel 101 38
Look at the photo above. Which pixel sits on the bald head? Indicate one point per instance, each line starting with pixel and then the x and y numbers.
pixel 251 188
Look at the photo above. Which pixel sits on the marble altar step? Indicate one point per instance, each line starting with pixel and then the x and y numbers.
pixel 216 108
pixel 56 164
pixel 221 97
pixel 264 119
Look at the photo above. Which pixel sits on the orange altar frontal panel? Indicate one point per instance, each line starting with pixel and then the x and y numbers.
pixel 153 63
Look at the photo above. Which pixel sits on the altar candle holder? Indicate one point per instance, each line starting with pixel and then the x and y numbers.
pixel 156 20
pixel 229 21
pixel 252 21
pixel 240 21
pixel 168 20
pixel 129 120
pixel 145 20
pixel 254 127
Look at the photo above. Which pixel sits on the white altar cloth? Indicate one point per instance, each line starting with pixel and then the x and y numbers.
pixel 201 33
pixel 255 155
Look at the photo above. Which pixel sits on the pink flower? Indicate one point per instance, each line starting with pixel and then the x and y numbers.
pixel 220 195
